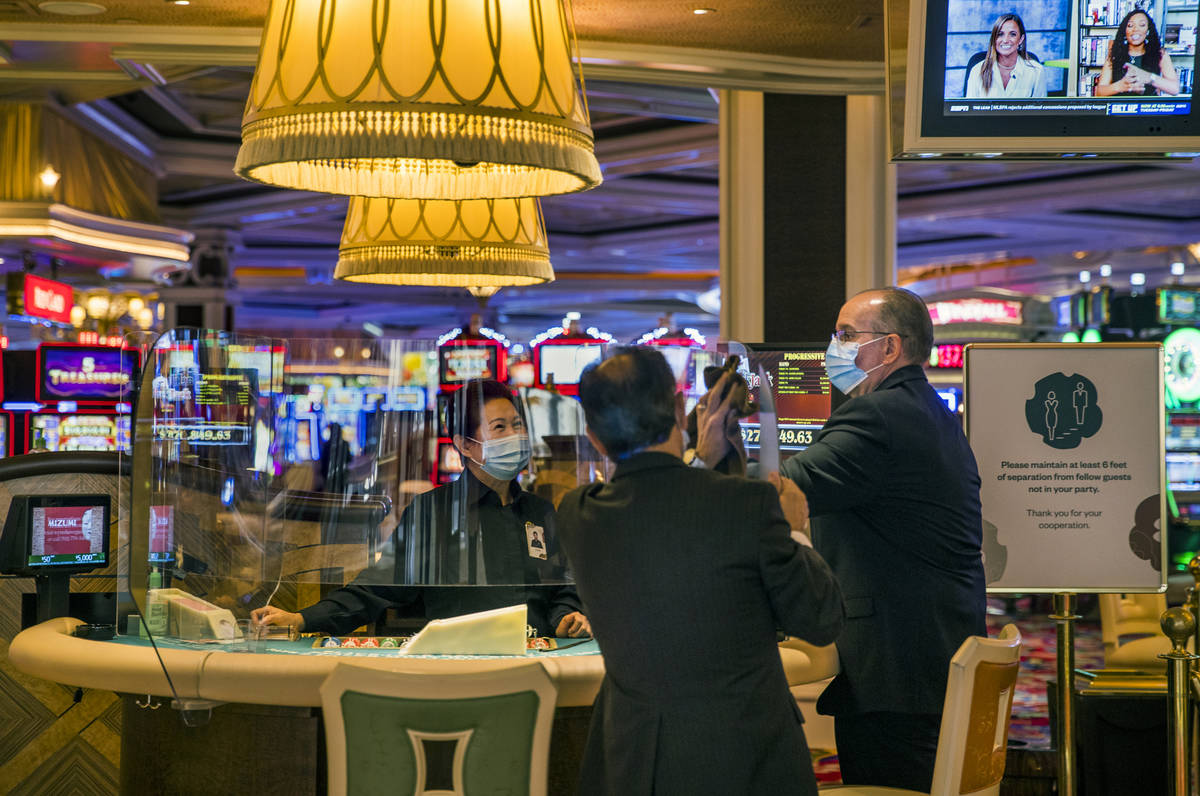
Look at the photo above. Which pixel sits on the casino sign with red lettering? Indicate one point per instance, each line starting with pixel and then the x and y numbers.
pixel 41 298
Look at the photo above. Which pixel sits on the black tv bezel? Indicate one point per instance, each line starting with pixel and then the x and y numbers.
pixel 16 540
pixel 927 131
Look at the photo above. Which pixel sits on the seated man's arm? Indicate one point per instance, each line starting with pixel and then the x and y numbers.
pixel 847 464
pixel 804 594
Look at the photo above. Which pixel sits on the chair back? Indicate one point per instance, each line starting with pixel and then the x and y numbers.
pixel 398 732
pixel 1124 615
pixel 973 742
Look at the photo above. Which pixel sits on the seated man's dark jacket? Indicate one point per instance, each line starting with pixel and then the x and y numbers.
pixel 458 533
pixel 686 574
pixel 893 493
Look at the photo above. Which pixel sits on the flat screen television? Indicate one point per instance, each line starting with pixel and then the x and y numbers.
pixel 1069 93
pixel 55 534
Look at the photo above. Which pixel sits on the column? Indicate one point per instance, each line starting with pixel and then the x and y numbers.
pixel 807 211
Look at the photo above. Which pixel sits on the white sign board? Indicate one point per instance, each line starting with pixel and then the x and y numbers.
pixel 1069 442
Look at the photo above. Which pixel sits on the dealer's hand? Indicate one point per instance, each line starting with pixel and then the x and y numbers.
pixel 270 615
pixel 716 422
pixel 793 501
pixel 573 625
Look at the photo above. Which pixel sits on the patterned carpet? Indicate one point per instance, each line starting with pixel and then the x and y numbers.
pixel 1030 726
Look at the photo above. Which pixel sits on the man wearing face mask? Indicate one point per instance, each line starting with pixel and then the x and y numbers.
pixel 893 496
pixel 482 532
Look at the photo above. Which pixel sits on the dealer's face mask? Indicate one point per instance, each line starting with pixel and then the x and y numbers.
pixel 505 457
pixel 840 364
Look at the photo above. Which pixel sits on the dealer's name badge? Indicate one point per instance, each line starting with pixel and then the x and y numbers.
pixel 535 540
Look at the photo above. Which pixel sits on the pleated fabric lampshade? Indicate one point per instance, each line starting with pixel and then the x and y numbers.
pixel 476 243
pixel 436 99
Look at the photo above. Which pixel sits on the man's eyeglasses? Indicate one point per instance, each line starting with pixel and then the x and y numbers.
pixel 844 335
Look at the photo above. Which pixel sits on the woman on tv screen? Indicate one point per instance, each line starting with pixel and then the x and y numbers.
pixel 1137 64
pixel 1007 71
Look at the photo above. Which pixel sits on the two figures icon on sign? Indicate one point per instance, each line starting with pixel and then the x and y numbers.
pixel 1079 400
pixel 1063 410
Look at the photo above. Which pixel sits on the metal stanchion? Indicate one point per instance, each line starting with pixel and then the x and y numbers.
pixel 1193 601
pixel 1178 624
pixel 1064 617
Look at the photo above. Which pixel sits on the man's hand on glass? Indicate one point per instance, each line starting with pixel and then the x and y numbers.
pixel 795 506
pixel 717 429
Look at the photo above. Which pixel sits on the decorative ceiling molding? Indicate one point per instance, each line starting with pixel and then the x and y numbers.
pixel 602 60
pixel 683 66
pixel 35 220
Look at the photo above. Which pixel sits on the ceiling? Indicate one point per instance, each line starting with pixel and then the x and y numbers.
pixel 167 84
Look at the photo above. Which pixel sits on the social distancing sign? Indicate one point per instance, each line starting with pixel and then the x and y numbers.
pixel 1069 443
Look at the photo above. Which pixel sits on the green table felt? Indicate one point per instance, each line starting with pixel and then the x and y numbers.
pixel 304 646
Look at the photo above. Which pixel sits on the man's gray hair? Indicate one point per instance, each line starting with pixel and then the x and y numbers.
pixel 903 312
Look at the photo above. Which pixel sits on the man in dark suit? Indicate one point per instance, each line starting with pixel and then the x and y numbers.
pixel 686 574
pixel 893 493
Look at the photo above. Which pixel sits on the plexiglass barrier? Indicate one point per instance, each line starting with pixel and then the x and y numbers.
pixel 325 485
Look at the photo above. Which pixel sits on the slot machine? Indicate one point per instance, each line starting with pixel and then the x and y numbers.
pixel 84 393
pixel 461 358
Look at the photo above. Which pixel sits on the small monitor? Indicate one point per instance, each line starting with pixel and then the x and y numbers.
pixel 55 534
pixel 561 362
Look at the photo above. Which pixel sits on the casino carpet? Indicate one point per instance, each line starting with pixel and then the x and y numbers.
pixel 1030 726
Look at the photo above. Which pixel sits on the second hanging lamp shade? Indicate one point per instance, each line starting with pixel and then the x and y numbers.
pixel 433 99
pixel 477 243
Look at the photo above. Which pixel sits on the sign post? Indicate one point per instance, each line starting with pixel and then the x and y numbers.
pixel 1069 443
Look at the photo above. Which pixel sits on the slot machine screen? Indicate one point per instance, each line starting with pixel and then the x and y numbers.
pixel 459 361
pixel 266 361
pixel 563 363
pixel 803 395
pixel 1183 432
pixel 449 460
pixel 5 427
pixel 84 374
pixel 1101 310
pixel 1178 305
pixel 679 358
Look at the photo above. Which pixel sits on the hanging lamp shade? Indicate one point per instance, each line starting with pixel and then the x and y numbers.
pixel 438 99
pixel 479 243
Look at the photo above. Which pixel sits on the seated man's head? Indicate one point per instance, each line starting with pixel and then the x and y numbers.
pixel 630 403
pixel 488 429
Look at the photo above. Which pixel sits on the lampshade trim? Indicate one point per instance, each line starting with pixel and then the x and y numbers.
pixel 382 153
